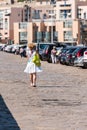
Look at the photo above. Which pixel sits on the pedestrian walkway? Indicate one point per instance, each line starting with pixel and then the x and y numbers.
pixel 59 102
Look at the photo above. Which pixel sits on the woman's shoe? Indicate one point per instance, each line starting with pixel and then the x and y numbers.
pixel 34 85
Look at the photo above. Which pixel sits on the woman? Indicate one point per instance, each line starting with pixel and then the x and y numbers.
pixel 31 67
pixel 53 55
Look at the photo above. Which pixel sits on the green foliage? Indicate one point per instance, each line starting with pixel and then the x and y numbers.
pixel 21 0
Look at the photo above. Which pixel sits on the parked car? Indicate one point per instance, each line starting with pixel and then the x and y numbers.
pixel 2 46
pixel 62 55
pixel 59 50
pixel 45 55
pixel 40 46
pixel 69 55
pixel 85 59
pixel 16 48
pixel 8 48
pixel 24 50
pixel 82 60
pixel 78 53
pixel 78 61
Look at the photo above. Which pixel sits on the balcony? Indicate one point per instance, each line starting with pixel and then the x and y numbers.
pixel 50 21
pixel 37 20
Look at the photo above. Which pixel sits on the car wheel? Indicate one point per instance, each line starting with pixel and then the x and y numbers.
pixel 49 60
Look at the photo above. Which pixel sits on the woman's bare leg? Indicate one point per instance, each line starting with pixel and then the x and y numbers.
pixel 34 79
pixel 31 79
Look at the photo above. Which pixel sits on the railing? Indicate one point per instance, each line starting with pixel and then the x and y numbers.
pixel 44 20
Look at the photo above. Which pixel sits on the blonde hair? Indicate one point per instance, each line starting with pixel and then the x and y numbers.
pixel 31 45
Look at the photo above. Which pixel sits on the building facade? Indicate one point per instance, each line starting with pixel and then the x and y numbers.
pixel 62 21
pixel 8 16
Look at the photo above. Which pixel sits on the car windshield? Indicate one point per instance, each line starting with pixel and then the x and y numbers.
pixel 76 50
pixel 42 46
pixel 46 47
pixel 71 50
pixel 64 50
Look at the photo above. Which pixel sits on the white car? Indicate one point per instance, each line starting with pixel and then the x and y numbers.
pixel 8 48
pixel 81 61
pixel 85 59
pixel 16 48
pixel 2 46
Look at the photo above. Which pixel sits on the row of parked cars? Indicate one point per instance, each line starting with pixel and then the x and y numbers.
pixel 66 55
pixel 43 48
pixel 74 55
pixel 13 48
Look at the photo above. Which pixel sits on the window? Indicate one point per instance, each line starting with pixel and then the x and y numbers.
pixel 40 10
pixel 6 23
pixel 23 25
pixel 51 11
pixel 6 33
pixel 36 14
pixel 67 24
pixel 67 36
pixel 85 15
pixel 65 14
pixel 44 16
pixel 23 36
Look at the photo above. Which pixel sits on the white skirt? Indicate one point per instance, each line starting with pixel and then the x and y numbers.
pixel 32 68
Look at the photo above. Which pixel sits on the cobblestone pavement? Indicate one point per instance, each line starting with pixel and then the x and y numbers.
pixel 59 102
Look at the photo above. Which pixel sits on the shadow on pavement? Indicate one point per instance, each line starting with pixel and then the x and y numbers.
pixel 7 121
pixel 63 102
pixel 52 86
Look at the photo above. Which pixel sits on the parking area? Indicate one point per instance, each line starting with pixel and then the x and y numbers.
pixel 59 102
pixel 64 54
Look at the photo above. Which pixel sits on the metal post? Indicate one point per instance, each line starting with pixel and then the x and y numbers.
pixel 51 26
